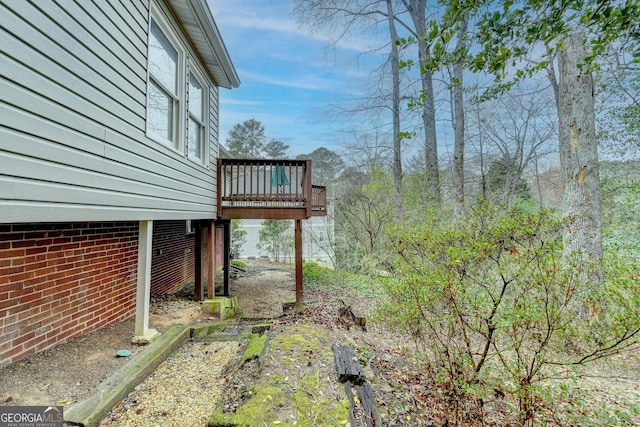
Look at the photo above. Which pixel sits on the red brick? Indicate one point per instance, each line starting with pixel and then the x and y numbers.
pixel 73 287
pixel 12 253
pixel 36 250
pixel 23 338
pixel 61 240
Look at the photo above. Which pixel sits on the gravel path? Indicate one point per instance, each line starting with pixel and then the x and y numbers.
pixel 183 391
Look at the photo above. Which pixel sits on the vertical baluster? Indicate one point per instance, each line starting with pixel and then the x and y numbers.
pixel 234 171
pixel 266 178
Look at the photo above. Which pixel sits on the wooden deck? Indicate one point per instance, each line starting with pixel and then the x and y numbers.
pixel 268 189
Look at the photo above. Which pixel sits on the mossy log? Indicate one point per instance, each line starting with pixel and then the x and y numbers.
pixel 347 364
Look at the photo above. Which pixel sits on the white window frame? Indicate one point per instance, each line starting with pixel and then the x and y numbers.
pixel 187 67
pixel 178 144
pixel 194 72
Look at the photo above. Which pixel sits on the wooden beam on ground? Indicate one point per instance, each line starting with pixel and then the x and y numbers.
pixel 298 247
pixel 368 402
pixel 351 374
pixel 347 364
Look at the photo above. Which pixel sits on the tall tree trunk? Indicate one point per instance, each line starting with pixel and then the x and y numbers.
pixel 578 151
pixel 417 11
pixel 394 58
pixel 429 123
pixel 458 124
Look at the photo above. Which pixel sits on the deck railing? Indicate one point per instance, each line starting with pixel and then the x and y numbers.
pixel 318 198
pixel 260 188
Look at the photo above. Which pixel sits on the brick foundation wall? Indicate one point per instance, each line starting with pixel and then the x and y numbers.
pixel 59 281
pixel 172 261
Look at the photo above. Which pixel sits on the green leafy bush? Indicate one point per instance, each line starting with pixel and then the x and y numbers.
pixel 316 276
pixel 238 263
pixel 494 310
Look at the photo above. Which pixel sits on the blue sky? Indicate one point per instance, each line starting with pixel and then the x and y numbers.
pixel 288 78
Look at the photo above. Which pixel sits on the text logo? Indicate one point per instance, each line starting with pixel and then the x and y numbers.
pixel 31 416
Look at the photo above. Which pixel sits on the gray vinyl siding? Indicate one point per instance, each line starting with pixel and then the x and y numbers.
pixel 72 119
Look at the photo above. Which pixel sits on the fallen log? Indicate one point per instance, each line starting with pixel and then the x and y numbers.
pixel 350 373
pixel 368 402
pixel 347 364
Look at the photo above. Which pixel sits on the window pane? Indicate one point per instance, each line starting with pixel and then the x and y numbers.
pixel 194 141
pixel 163 59
pixel 159 112
pixel 195 98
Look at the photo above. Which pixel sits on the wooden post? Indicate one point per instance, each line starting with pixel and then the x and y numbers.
pixel 226 254
pixel 298 245
pixel 211 249
pixel 197 263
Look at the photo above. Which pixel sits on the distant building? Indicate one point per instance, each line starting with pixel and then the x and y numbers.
pixel 318 238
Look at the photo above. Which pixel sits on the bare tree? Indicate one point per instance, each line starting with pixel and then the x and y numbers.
pixel 458 119
pixel 394 59
pixel 346 15
pixel 417 10
pixel 517 130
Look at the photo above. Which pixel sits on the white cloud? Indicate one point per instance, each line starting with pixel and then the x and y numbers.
pixel 239 102
pixel 275 17
pixel 306 82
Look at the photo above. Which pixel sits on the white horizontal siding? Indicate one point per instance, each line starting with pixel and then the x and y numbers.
pixel 72 119
pixel 213 127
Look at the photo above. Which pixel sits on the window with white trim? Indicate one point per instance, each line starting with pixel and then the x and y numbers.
pixel 163 97
pixel 177 94
pixel 196 121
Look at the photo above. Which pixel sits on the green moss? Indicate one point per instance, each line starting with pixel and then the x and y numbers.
pixel 238 263
pixel 261 328
pixel 258 410
pixel 314 409
pixel 292 401
pixel 255 347
pixel 276 379
pixel 302 338
pixel 208 329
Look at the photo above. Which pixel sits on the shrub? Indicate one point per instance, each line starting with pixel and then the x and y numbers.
pixel 316 276
pixel 313 274
pixel 493 310
pixel 238 263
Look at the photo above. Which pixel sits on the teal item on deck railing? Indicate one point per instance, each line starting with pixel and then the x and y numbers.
pixel 279 177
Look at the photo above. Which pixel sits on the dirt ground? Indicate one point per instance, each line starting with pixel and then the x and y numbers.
pixel 74 371
pixel 77 370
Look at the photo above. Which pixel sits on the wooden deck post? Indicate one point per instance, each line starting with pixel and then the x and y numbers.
pixel 298 247
pixel 197 263
pixel 226 254
pixel 211 250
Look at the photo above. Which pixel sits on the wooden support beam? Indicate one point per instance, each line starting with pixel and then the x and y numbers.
pixel 226 254
pixel 197 262
pixel 298 247
pixel 211 250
